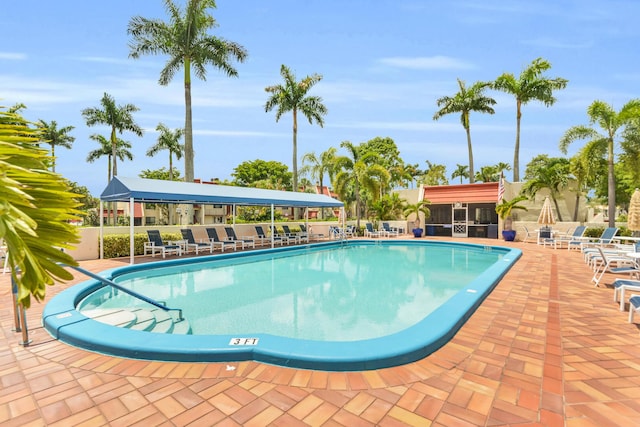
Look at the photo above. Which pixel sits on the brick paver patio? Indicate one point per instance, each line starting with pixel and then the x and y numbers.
pixel 546 348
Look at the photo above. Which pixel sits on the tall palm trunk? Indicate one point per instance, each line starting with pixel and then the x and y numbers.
pixel 114 151
pixel 295 150
pixel 357 193
pixel 555 202
pixel 295 159
pixel 171 205
pixel 611 185
pixel 516 152
pixel 188 135
pixel 471 173
pixel 114 156
pixel 188 123
pixel 321 192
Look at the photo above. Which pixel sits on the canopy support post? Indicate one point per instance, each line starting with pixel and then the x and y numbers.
pixel 101 229
pixel 131 239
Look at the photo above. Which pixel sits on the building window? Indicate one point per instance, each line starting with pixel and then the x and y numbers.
pixel 440 214
pixel 150 220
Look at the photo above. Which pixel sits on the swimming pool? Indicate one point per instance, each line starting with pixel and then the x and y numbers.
pixel 296 339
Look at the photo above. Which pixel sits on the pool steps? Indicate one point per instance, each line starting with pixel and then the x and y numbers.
pixel 150 320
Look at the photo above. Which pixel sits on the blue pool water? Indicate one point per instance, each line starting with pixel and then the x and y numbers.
pixel 355 306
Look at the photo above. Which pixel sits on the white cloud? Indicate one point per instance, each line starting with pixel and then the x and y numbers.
pixel 437 62
pixel 238 133
pixel 421 126
pixel 13 56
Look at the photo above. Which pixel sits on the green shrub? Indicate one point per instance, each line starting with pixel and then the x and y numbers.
pixel 597 232
pixel 593 231
pixel 117 245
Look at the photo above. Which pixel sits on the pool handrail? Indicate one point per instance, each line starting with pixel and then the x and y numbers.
pixel 128 291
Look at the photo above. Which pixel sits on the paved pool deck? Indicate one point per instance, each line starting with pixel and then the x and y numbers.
pixel 546 348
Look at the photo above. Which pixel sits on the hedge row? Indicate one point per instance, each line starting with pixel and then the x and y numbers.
pixel 117 245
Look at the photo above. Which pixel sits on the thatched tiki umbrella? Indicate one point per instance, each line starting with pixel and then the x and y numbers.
pixel 633 219
pixel 546 219
pixel 546 214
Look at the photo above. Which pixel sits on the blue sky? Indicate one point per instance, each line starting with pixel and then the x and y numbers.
pixel 384 64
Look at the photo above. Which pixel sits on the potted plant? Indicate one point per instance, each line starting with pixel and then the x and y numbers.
pixel 503 209
pixel 417 208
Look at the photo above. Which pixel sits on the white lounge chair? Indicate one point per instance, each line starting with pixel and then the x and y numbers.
pixel 155 244
pixel 215 240
pixel 570 239
pixel 616 265
pixel 389 231
pixel 231 235
pixel 634 306
pixel 263 239
pixel 187 235
pixel 530 235
pixel 370 232
pixel 622 285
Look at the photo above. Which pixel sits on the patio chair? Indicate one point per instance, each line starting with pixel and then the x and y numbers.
pixel 300 237
pixel 336 232
pixel 634 306
pixel 262 237
pixel 593 256
pixel 529 235
pixel 285 239
pixel 559 241
pixel 215 240
pixel 616 265
pixel 369 231
pixel 350 231
pixel 187 235
pixel 231 235
pixel 605 239
pixel 620 286
pixel 311 235
pixel 389 231
pixel 155 244
pixel 544 233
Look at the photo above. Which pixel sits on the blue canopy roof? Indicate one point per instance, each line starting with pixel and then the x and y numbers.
pixel 122 189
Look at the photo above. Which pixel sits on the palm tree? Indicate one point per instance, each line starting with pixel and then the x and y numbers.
pixel 464 102
pixel 504 209
pixel 584 166
pixel 531 85
pixel 461 171
pixel 38 207
pixel 502 166
pixel 53 136
pixel 319 166
pixel 402 174
pixel 185 40
pixel 122 151
pixel 435 174
pixel 168 140
pixel 547 172
pixel 292 96
pixel 388 207
pixel 118 118
pixel 416 209
pixel 358 172
pixel 610 122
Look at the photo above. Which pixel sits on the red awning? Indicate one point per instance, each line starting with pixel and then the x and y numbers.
pixel 466 193
pixel 137 210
